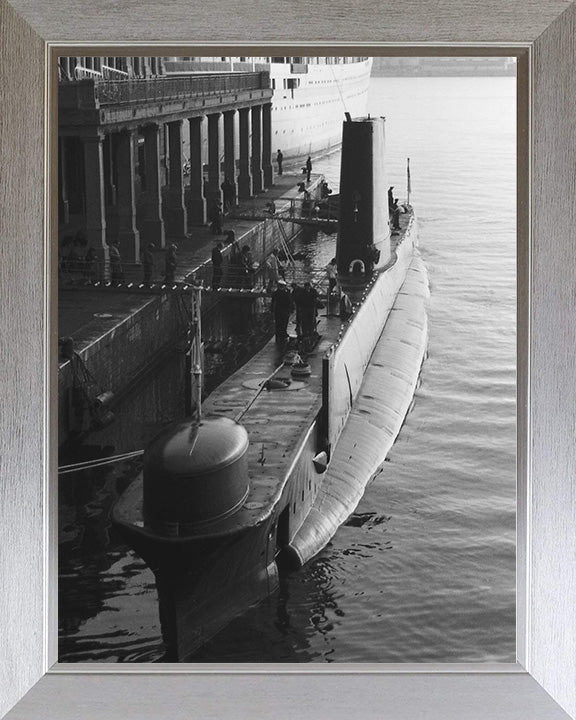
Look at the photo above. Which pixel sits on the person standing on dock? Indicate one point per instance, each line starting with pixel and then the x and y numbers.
pixel 247 267
pixel 116 273
pixel 308 299
pixel 228 195
pixel 215 218
pixel 281 307
pixel 273 267
pixel 171 263
pixel 235 264
pixel 90 264
pixel 282 261
pixel 148 262
pixel 279 159
pixel 308 168
pixel 217 270
pixel 332 275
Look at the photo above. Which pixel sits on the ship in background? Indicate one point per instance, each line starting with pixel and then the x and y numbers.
pixel 311 95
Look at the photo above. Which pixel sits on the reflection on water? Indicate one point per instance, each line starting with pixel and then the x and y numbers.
pixel 105 590
pixel 424 571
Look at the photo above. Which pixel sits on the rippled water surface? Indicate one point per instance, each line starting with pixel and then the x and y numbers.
pixel 424 569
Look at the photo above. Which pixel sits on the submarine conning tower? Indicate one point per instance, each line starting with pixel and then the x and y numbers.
pixel 364 232
pixel 194 474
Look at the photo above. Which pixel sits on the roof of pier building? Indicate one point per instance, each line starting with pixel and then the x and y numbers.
pixel 90 106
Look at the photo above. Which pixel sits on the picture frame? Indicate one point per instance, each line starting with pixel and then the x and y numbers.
pixel 541 684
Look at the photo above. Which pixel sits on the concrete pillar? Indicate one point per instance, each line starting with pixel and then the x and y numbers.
pixel 109 149
pixel 257 176
pixel 244 177
pixel 128 235
pixel 196 201
pixel 94 201
pixel 175 217
pixel 267 145
pixel 63 207
pixel 153 224
pixel 213 191
pixel 109 180
pixel 230 150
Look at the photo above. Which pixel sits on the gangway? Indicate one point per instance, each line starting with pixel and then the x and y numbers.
pixel 322 215
pixel 325 225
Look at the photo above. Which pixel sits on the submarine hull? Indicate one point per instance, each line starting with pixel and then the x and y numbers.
pixel 204 583
pixel 311 452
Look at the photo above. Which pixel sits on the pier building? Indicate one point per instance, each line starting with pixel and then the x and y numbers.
pixel 123 124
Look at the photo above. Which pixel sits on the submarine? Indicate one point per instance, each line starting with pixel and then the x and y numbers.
pixel 261 481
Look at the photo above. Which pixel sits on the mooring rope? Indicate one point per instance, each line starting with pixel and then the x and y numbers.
pixel 89 464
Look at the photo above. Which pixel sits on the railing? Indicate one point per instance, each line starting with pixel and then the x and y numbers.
pixel 315 210
pixel 166 88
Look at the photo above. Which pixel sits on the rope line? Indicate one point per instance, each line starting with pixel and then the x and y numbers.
pixel 89 464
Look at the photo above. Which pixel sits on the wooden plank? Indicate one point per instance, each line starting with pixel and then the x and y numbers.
pixel 551 652
pixel 318 696
pixel 466 21
pixel 21 372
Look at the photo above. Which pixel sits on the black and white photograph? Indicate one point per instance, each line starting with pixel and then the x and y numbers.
pixel 287 359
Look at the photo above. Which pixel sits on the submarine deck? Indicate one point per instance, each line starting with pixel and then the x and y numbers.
pixel 276 420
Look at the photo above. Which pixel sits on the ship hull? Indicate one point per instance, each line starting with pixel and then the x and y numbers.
pixel 309 100
pixel 202 583
pixel 307 120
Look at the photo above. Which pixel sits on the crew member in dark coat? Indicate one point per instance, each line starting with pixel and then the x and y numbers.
pixel 395 215
pixel 332 275
pixel 90 264
pixel 116 271
pixel 148 262
pixel 247 267
pixel 228 195
pixel 282 306
pixel 171 263
pixel 308 301
pixel 217 270
pixel 296 292
pixel 235 263
pixel 308 168
pixel 390 198
pixel 215 217
pixel 279 159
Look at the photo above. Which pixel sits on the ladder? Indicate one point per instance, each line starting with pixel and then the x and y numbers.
pixel 284 242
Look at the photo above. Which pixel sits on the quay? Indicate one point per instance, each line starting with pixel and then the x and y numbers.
pixel 123 145
pixel 118 333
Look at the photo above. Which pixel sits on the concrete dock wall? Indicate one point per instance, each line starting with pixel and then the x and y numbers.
pixel 117 356
pixel 115 359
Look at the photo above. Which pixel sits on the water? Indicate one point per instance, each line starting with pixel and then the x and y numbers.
pixel 424 571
